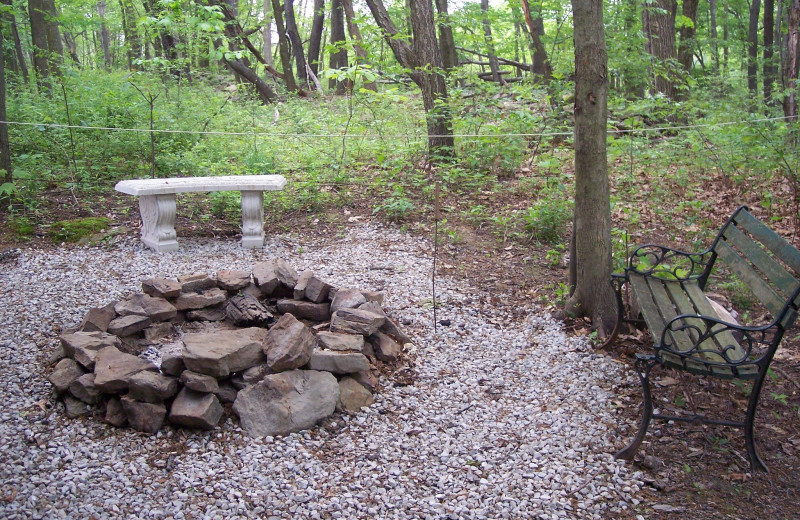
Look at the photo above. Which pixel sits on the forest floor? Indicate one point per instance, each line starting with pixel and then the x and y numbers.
pixel 694 471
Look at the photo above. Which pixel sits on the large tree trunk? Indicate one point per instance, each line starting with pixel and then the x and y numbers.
pixel 712 9
pixel 265 92
pixel 315 39
pixel 297 45
pixel 283 47
pixel 770 70
pixel 447 44
pixel 41 64
pixel 422 58
pixel 590 261
pixel 687 33
pixel 541 64
pixel 752 47
pixel 105 38
pixel 338 59
pixel 267 32
pixel 790 68
pixel 355 36
pixel 54 44
pixel 19 64
pixel 133 42
pixel 658 23
pixel 5 148
pixel 494 66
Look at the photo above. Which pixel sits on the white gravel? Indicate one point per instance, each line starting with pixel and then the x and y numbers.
pixel 507 418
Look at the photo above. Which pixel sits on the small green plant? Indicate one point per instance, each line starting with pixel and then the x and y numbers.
pixel 74 230
pixel 21 227
pixel 679 401
pixel 396 208
pixel 547 219
pixel 556 255
pixel 781 398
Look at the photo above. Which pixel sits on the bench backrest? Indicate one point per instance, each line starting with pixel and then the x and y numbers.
pixel 764 261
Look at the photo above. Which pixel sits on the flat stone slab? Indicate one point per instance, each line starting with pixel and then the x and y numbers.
pixel 305 310
pixel 128 325
pixel 221 352
pixel 192 300
pixel 113 369
pixel 232 280
pixel 139 187
pixel 161 287
pixel 199 382
pixel 195 410
pixel 356 321
pixel 155 308
pixel 338 362
pixel 84 346
pixel 341 342
pixel 144 417
pixel 151 387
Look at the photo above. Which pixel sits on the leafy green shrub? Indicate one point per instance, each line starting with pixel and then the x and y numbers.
pixel 547 219
pixel 74 230
pixel 396 207
pixel 21 227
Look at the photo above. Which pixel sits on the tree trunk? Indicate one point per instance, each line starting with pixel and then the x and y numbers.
pixel 422 58
pixel 283 47
pixel 129 28
pixel 790 69
pixel 72 48
pixel 541 64
pixel 11 20
pixel 770 70
pixel 592 295
pixel 5 148
pixel 687 33
pixel 41 64
pixel 447 44
pixel 338 59
pixel 487 37
pixel 355 36
pixel 265 92
pixel 297 45
pixel 105 38
pixel 315 39
pixel 752 47
pixel 658 23
pixel 267 32
pixel 54 44
pixel 712 7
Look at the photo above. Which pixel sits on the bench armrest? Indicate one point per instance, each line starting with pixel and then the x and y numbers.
pixel 717 342
pixel 668 263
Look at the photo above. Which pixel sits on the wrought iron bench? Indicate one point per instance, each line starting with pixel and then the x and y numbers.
pixel 689 335
pixel 157 204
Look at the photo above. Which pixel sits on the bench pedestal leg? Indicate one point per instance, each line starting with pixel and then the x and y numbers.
pixel 643 371
pixel 253 219
pixel 158 222
pixel 756 464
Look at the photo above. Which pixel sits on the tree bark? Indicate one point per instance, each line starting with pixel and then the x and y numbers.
pixel 338 59
pixel 770 69
pixel 297 44
pixel 487 37
pixel 424 61
pixel 105 37
pixel 283 47
pixel 72 48
pixel 133 40
pixel 355 35
pixel 541 64
pixel 41 63
pixel 447 44
pixel 752 47
pixel 5 147
pixel 712 7
pixel 592 295
pixel 790 68
pixel 267 32
pixel 315 39
pixel 265 92
pixel 687 33
pixel 658 23
pixel 20 64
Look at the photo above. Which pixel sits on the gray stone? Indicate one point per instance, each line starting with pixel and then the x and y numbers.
pixel 84 390
pixel 97 319
pixel 386 349
pixel 226 393
pixel 316 290
pixel 197 300
pixel 366 379
pixel 195 410
pixel 144 417
pixel 221 352
pixel 84 346
pixel 197 282
pixel 255 374
pixel 300 286
pixel 216 313
pixel 255 291
pixel 356 321
pixel 151 387
pixel 338 362
pixel 57 355
pixel 390 327
pixel 288 344
pixel 75 407
pixel 246 311
pixel 127 325
pixel 373 307
pixel 115 414
pixel 305 310
pixel 158 330
pixel 374 296
pixel 231 280
pixel 199 382
pixel 353 396
pixel 161 287
pixel 157 309
pixel 113 369
pixel 265 277
pixel 287 402
pixel 347 299
pixel 340 342
pixel 285 273
pixel 172 364
pixel 66 371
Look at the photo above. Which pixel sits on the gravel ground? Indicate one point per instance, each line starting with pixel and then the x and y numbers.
pixel 506 417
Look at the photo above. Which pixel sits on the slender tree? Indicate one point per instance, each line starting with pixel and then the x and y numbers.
pixel 11 20
pixel 494 66
pixel 338 59
pixel 5 148
pixel 541 64
pixel 687 32
pixel 267 32
pixel 283 47
pixel 105 36
pixel 752 47
pixel 770 68
pixel 355 36
pixel 712 14
pixel 41 61
pixel 447 44
pixel 293 34
pixel 315 39
pixel 590 259
pixel 792 63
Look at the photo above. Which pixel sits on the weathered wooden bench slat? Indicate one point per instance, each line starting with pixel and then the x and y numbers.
pixel 761 290
pixel 784 282
pixel 773 241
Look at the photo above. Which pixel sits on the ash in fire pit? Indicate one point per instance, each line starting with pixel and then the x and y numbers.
pixel 285 349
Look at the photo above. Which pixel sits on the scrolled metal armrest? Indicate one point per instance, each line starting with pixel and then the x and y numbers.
pixel 658 260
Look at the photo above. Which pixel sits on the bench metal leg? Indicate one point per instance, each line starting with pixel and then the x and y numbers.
pixel 643 368
pixel 756 464
pixel 253 219
pixel 158 222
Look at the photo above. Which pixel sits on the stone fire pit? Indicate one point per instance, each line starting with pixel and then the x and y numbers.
pixel 284 349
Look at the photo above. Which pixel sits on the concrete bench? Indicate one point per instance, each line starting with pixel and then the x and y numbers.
pixel 157 204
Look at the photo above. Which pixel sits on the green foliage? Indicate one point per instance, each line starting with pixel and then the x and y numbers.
pixel 75 230
pixel 546 220
pixel 21 227
pixel 397 207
